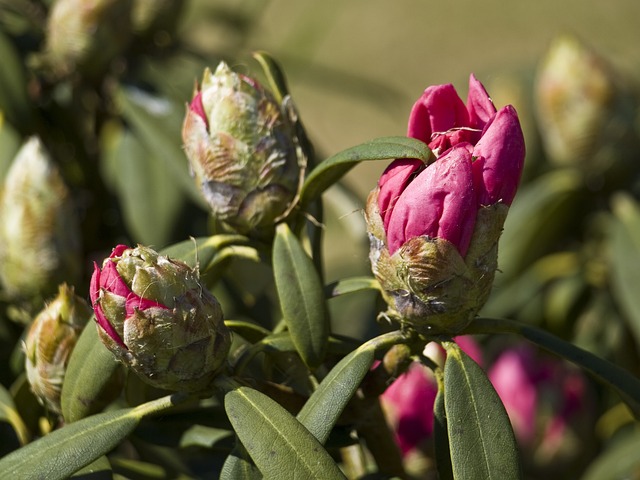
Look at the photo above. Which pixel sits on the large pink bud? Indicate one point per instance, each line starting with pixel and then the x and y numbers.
pixel 434 228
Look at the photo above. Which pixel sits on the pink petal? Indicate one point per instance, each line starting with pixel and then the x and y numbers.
pixel 392 182
pixel 197 107
pixel 479 105
pixel 118 251
pixel 94 285
pixel 94 294
pixel 135 302
pixel 111 280
pixel 438 110
pixel 439 202
pixel 499 158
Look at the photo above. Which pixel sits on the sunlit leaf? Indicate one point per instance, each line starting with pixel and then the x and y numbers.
pixel 276 441
pixel 301 296
pixel 481 439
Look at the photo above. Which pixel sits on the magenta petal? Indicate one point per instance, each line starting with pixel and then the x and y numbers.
pixel 438 110
pixel 135 302
pixel 392 182
pixel 106 326
pixel 439 202
pixel 499 159
pixel 111 281
pixel 479 105
pixel 94 285
pixel 197 107
pixel 118 251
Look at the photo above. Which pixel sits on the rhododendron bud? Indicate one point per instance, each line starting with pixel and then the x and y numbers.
pixel 49 343
pixel 242 150
pixel 86 35
pixel 156 317
pixel 39 231
pixel 434 228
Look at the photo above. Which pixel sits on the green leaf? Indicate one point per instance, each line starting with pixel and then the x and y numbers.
pixel 625 258
pixel 301 296
pixel 619 461
pixel 276 441
pixel 330 170
pixel 67 450
pixel 238 465
pixel 150 198
pixel 202 251
pixel 321 411
pixel 99 469
pixel 441 438
pixel 252 332
pixel 350 285
pixel 14 99
pixel 9 414
pixel 275 75
pixel 626 384
pixel 89 376
pixel 158 123
pixel 480 435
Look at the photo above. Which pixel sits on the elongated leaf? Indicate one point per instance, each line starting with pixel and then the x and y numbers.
pixel 250 331
pixel 329 171
pixel 621 460
pixel 276 441
pixel 480 435
pixel 301 296
pixel 626 384
pixel 275 75
pixel 65 451
pixel 625 259
pixel 148 193
pixel 441 438
pixel 238 465
pixel 9 414
pixel 158 122
pixel 99 469
pixel 320 413
pixel 350 285
pixel 90 373
pixel 201 251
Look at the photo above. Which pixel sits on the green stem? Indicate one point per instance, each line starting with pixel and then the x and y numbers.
pixel 627 385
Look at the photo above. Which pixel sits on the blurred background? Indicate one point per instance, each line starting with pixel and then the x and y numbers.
pixel 107 94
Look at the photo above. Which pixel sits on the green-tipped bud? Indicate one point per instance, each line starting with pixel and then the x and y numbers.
pixel 584 112
pixel 157 318
pixel 242 151
pixel 39 231
pixel 85 35
pixel 49 343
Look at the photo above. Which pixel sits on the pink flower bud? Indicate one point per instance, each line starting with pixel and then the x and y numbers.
pixel 156 317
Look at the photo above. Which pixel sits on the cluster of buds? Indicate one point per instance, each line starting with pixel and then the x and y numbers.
pixel 49 343
pixel 434 228
pixel 156 317
pixel 242 150
pixel 39 230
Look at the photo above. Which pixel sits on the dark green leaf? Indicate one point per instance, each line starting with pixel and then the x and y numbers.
pixel 441 438
pixel 320 413
pixel 90 374
pixel 301 296
pixel 625 259
pixel 148 193
pixel 65 451
pixel 329 171
pixel 480 435
pixel 275 75
pixel 14 100
pixel 276 441
pixel 99 469
pixel 627 385
pixel 250 331
pixel 158 123
pixel 238 465
pixel 350 285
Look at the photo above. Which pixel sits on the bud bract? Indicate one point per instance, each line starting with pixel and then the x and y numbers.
pixel 242 150
pixel 85 35
pixel 434 228
pixel 157 318
pixel 39 231
pixel 49 343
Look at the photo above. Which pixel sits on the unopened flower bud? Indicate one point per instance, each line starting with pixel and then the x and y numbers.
pixel 242 150
pixel 584 112
pixel 434 228
pixel 85 35
pixel 157 318
pixel 39 231
pixel 49 343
